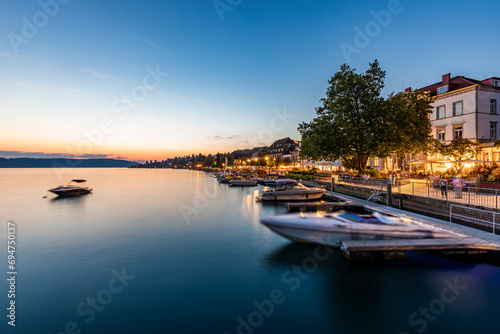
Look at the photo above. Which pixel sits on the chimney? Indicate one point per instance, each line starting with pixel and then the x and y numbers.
pixel 446 78
pixel 407 90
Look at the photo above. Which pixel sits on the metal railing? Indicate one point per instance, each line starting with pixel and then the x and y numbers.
pixel 474 220
pixel 372 184
pixel 462 195
pixel 322 178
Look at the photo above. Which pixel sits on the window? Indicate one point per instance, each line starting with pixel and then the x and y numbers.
pixel 442 89
pixel 457 132
pixel 493 130
pixel 493 106
pixel 458 108
pixel 496 83
pixel 440 134
pixel 375 162
pixel 441 112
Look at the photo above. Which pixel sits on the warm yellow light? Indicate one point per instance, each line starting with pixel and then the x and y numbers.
pixel 447 165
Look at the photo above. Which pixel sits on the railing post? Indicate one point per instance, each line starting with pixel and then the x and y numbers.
pixel 494 222
pixel 451 206
pixel 428 190
pixel 496 199
pixel 468 191
pixel 412 189
pixel 333 183
pixel 389 194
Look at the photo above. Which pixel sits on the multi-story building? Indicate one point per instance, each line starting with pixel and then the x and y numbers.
pixel 282 147
pixel 462 108
pixel 466 108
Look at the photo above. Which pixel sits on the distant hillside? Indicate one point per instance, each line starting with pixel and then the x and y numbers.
pixel 63 163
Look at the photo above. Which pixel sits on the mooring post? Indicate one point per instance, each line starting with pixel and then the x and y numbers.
pixel 333 183
pixel 389 194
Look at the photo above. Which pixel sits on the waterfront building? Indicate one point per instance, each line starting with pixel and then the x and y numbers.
pixel 465 108
pixel 282 147
pixel 462 108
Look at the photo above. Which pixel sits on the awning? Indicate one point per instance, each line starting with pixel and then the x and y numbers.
pixel 469 161
pixel 430 161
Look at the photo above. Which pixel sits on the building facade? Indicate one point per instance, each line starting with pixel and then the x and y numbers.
pixel 282 147
pixel 461 108
pixel 466 108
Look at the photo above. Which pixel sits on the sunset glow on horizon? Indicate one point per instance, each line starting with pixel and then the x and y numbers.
pixel 150 81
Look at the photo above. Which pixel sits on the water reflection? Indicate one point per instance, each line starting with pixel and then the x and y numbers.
pixel 72 199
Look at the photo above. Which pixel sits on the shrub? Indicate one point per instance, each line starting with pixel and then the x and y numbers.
pixel 297 177
pixel 374 173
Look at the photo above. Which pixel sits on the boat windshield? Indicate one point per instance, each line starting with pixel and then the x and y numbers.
pixel 376 218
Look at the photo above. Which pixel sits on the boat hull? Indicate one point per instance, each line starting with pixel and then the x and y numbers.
pixel 316 231
pixel 242 183
pixel 70 192
pixel 291 196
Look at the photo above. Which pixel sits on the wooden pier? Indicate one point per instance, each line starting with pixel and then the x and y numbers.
pixel 464 240
pixel 323 206
pixel 396 249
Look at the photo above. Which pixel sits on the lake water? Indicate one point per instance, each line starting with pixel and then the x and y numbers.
pixel 171 251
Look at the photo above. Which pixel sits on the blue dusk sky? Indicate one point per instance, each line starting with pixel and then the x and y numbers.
pixel 155 79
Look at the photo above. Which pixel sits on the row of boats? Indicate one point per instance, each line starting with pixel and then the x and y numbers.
pixel 277 187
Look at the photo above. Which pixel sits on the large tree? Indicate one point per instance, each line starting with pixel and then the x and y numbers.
pixel 355 123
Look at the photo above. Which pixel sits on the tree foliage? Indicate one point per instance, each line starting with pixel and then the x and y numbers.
pixel 355 123
pixel 457 149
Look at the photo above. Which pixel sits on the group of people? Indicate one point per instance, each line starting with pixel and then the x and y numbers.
pixel 457 183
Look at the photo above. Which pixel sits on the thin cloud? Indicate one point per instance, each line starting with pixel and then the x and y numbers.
pixel 106 76
pixel 151 44
pixel 100 75
pixel 224 137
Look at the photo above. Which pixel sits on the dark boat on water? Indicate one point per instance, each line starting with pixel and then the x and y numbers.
pixel 71 190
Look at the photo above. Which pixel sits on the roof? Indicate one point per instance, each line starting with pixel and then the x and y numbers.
pixel 281 142
pixel 455 83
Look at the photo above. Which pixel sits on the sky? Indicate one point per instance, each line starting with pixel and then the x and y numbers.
pixel 143 80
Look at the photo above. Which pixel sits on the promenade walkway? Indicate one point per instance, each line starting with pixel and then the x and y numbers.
pixel 488 198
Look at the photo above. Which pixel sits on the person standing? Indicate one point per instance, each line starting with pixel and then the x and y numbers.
pixel 459 186
pixel 444 190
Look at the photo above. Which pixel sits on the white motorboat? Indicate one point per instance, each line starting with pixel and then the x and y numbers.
pixel 331 228
pixel 290 192
pixel 270 179
pixel 71 190
pixel 242 182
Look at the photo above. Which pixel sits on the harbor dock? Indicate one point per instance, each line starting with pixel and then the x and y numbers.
pixel 322 206
pixel 464 240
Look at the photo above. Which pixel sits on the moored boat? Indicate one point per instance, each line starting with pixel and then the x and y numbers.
pixel 290 192
pixel 331 228
pixel 242 182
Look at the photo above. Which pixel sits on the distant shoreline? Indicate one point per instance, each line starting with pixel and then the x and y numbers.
pixel 64 163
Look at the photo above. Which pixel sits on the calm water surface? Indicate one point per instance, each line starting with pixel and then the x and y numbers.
pixel 166 251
